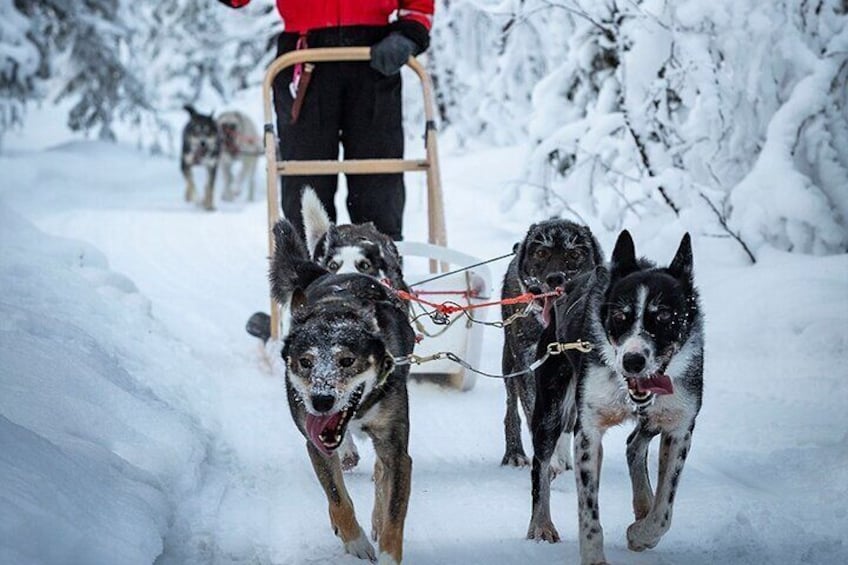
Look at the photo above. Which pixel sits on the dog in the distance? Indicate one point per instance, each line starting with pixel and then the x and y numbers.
pixel 340 355
pixel 645 325
pixel 240 143
pixel 349 248
pixel 551 253
pixel 201 148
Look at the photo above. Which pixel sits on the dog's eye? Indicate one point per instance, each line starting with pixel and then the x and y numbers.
pixel 305 362
pixel 664 316
pixel 575 257
pixel 619 316
pixel 333 265
pixel 542 253
pixel 363 266
pixel 347 361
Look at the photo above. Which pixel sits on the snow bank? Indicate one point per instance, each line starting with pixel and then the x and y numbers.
pixel 96 442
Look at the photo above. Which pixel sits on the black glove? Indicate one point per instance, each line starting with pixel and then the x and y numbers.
pixel 392 53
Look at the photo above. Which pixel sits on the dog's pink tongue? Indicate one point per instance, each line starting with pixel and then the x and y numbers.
pixel 317 424
pixel 657 383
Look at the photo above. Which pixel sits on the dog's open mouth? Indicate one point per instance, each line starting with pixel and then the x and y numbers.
pixel 327 431
pixel 643 389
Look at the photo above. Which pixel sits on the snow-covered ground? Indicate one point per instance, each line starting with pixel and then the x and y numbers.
pixel 139 424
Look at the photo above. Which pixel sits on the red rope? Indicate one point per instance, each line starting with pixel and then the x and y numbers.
pixel 448 308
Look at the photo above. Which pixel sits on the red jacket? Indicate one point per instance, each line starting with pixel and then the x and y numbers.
pixel 305 15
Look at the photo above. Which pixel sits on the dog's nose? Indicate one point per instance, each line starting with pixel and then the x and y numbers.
pixel 634 362
pixel 555 279
pixel 322 402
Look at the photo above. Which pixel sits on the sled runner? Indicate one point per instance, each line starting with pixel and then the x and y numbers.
pixel 460 336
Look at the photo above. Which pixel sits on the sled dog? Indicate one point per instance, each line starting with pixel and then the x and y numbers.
pixel 345 334
pixel 201 147
pixel 349 248
pixel 645 325
pixel 551 253
pixel 240 143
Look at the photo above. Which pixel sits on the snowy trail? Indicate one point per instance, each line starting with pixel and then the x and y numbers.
pixel 767 481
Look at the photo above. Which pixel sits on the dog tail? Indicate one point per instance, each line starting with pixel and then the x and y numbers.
pixel 316 221
pixel 291 267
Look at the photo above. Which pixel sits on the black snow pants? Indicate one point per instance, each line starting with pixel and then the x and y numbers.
pixel 347 103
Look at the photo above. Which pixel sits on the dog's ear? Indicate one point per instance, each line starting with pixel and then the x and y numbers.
pixel 316 221
pixel 191 111
pixel 623 261
pixel 681 266
pixel 290 266
pixel 298 304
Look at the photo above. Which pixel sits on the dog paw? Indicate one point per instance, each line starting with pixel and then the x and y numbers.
pixel 642 535
pixel 386 559
pixel 348 453
pixel 361 548
pixel 543 532
pixel 517 459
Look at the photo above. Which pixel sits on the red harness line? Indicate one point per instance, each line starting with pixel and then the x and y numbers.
pixel 448 308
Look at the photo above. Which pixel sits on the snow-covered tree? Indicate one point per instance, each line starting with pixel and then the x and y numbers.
pixel 729 115
pixel 19 67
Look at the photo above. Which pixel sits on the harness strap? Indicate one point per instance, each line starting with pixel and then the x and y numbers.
pixel 554 348
pixel 300 81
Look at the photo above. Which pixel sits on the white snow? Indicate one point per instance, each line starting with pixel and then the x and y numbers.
pixel 139 424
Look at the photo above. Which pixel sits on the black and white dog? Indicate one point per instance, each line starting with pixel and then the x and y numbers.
pixel 240 143
pixel 345 334
pixel 349 248
pixel 201 147
pixel 646 328
pixel 551 253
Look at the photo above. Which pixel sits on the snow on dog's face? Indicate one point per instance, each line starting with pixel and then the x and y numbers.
pixel 334 358
pixel 647 316
pixel 552 253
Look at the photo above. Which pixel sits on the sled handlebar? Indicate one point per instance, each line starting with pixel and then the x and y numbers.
pixel 276 168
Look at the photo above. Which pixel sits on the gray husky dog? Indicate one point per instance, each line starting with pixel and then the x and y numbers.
pixel 240 143
pixel 646 365
pixel 346 334
pixel 552 253
pixel 201 147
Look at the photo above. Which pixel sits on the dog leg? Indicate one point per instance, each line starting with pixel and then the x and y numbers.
pixel 514 455
pixel 190 189
pixel 342 516
pixel 226 166
pixel 395 477
pixel 645 533
pixel 208 198
pixel 588 455
pixel 246 175
pixel 561 460
pixel 637 463
pixel 378 512
pixel 347 452
pixel 547 428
